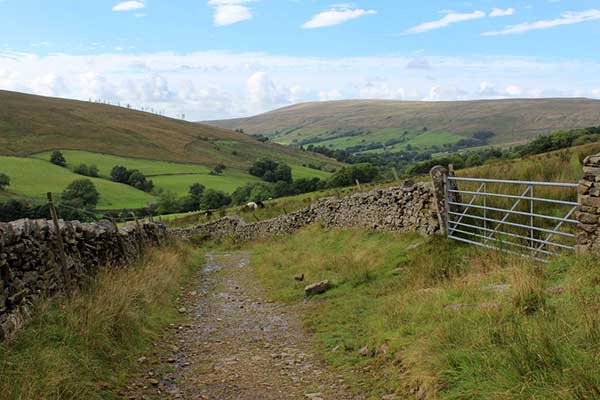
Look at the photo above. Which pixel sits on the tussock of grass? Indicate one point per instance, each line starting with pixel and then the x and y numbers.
pixel 82 347
pixel 444 320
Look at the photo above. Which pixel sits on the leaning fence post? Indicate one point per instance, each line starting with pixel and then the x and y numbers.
pixel 439 177
pixel 59 241
pixel 141 235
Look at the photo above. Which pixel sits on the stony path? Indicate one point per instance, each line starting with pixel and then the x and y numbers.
pixel 236 346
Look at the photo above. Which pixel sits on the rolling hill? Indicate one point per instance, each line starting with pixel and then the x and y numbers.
pixel 348 123
pixel 173 153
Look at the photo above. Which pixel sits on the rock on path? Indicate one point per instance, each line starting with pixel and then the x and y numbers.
pixel 235 346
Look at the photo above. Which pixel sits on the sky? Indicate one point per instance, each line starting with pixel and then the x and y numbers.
pixel 214 59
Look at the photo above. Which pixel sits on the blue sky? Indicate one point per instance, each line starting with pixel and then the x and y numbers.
pixel 226 58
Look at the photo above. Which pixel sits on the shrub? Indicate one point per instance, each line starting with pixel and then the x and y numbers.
pixel 57 158
pixel 4 181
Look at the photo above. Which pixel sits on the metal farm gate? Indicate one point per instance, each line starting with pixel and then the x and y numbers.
pixel 532 219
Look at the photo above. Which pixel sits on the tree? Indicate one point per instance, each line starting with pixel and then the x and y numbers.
pixel 348 176
pixel 168 203
pixel 262 166
pixel 218 169
pixel 280 189
pixel 93 171
pixel 242 194
pixel 196 191
pixel 57 158
pixel 81 194
pixel 271 171
pixel 139 181
pixel 213 199
pixel 283 173
pixel 4 181
pixel 260 192
pixel 82 169
pixel 192 201
pixel 120 174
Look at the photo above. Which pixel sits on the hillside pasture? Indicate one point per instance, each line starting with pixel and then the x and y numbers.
pixel 33 124
pixel 512 120
pixel 34 178
pixel 171 176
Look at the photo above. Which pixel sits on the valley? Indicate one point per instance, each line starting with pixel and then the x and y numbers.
pixel 380 126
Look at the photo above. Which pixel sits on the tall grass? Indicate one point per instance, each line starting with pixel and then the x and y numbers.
pixel 444 321
pixel 83 346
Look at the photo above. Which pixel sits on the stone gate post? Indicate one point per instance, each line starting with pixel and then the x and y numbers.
pixel 439 176
pixel 588 214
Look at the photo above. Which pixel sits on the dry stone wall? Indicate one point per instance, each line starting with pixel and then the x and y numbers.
pixel 409 208
pixel 30 266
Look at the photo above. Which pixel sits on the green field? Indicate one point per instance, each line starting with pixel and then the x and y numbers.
pixel 105 163
pixel 175 177
pixel 33 177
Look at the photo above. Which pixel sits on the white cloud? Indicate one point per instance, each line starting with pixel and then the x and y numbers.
pixel 264 94
pixel 513 90
pixel 488 89
pixel 213 84
pixel 329 95
pixel 381 89
pixel 567 18
pixel 498 12
pixel 228 12
pixel 129 5
pixel 418 63
pixel 335 16
pixel 446 93
pixel 448 19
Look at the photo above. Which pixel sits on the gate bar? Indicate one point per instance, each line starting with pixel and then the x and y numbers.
pixel 528 214
pixel 516 225
pixel 511 196
pixel 534 183
pixel 541 241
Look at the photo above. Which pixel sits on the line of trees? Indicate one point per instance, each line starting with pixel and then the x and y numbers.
pixel 132 178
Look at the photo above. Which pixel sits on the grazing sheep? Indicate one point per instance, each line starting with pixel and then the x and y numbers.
pixel 260 204
pixel 208 214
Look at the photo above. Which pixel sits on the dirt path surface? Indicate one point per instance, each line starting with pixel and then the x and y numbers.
pixel 235 346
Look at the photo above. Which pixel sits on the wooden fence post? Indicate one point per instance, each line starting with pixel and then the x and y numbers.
pixel 59 242
pixel 141 246
pixel 395 172
pixel 119 238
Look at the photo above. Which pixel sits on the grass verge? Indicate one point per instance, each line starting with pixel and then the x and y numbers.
pixel 84 346
pixel 442 320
